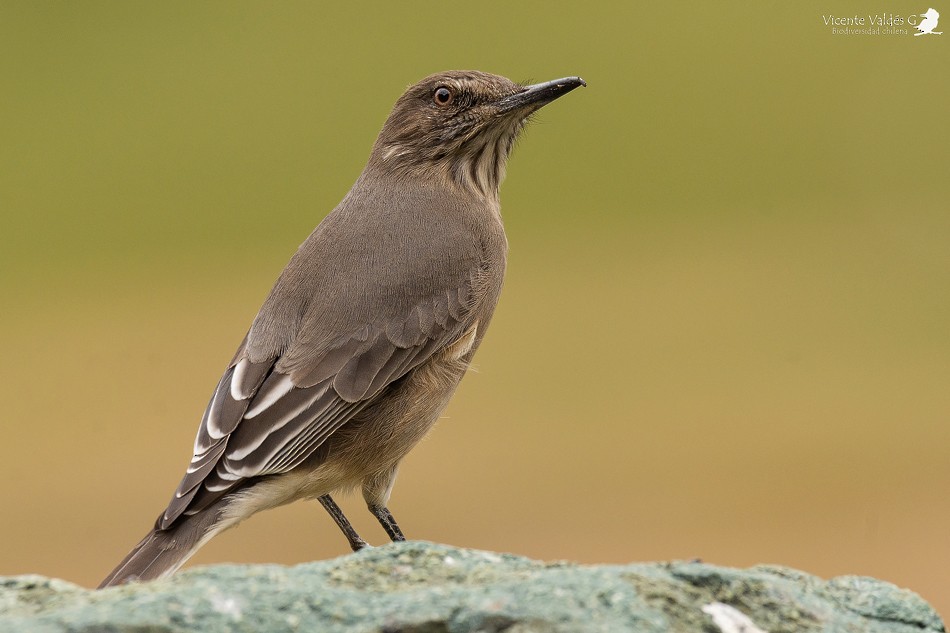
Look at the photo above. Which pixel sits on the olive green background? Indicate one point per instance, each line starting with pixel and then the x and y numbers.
pixel 724 332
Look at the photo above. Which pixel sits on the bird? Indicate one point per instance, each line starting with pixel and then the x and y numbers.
pixel 368 330
pixel 929 23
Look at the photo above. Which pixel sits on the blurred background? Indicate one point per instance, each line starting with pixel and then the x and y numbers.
pixel 724 332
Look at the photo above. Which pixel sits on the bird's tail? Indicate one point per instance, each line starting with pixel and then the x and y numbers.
pixel 162 552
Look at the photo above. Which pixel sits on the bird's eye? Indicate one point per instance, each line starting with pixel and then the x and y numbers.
pixel 442 96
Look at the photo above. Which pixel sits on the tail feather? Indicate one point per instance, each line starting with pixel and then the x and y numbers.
pixel 162 552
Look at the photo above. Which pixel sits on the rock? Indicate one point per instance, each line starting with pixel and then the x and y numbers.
pixel 420 587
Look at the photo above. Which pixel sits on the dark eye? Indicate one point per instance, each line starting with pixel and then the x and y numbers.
pixel 442 96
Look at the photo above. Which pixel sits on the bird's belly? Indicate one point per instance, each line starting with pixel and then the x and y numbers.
pixel 381 435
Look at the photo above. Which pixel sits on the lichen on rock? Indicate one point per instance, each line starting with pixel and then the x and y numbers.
pixel 419 587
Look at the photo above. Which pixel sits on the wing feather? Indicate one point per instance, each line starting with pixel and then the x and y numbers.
pixel 304 444
pixel 286 411
pixel 325 365
pixel 267 417
pixel 354 379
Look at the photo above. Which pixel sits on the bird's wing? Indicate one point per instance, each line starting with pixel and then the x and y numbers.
pixel 268 415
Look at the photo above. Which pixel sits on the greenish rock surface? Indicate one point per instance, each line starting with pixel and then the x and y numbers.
pixel 420 587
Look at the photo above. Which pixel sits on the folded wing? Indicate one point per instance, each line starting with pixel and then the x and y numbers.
pixel 267 416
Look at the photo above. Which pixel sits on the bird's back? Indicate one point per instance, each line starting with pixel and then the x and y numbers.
pixel 383 250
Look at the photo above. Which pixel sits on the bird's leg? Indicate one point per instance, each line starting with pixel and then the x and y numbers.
pixel 356 543
pixel 376 491
pixel 385 518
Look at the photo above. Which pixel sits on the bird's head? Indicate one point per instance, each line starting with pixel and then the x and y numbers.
pixel 461 126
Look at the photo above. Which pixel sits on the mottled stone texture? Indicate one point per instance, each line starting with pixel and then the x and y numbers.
pixel 424 588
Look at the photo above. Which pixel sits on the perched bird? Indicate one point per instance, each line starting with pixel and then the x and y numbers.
pixel 367 331
pixel 929 23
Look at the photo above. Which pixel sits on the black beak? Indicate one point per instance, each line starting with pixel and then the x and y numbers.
pixel 533 97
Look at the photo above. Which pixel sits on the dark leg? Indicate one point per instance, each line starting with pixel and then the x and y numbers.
pixel 356 543
pixel 376 491
pixel 385 518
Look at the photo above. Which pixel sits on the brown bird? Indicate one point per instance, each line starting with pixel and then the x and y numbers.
pixel 367 331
